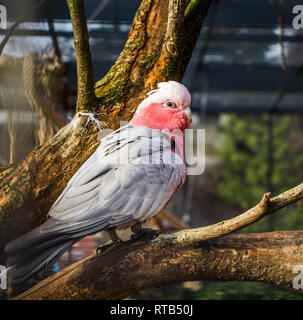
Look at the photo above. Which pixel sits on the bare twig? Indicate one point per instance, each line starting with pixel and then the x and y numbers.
pixel 266 206
pixel 11 126
pixel 224 227
pixel 98 9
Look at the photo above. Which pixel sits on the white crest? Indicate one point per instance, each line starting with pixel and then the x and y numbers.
pixel 170 90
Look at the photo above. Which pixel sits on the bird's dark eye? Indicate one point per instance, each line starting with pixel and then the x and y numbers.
pixel 170 104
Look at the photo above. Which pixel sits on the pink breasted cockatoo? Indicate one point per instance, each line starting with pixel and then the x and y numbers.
pixel 108 192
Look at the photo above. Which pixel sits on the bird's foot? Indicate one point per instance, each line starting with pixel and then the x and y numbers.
pixel 109 244
pixel 146 234
pixel 112 243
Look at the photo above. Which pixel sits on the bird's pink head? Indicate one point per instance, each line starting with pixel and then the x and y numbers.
pixel 166 108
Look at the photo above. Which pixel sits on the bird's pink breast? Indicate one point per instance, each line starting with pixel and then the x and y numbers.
pixel 170 121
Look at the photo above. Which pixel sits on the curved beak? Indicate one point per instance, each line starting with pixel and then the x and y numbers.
pixel 188 115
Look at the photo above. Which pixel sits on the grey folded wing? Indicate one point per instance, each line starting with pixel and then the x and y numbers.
pixel 106 192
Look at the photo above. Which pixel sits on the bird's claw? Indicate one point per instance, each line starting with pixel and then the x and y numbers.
pixel 145 234
pixel 106 246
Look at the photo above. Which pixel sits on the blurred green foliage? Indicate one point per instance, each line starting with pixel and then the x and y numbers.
pixel 211 290
pixel 244 158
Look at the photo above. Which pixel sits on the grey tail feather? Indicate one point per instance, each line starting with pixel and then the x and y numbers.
pixel 22 266
pixel 39 248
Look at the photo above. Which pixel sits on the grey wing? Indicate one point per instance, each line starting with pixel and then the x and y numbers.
pixel 81 188
pixel 142 190
pixel 102 193
pixel 119 195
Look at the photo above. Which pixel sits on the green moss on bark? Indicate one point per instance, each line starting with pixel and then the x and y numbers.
pixel 111 89
pixel 147 62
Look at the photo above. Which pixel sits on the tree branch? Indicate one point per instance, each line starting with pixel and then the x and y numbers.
pixel 185 255
pixel 264 208
pixel 267 257
pixel 86 99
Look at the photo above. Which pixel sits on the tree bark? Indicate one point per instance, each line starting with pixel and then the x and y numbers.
pixel 266 257
pixel 159 46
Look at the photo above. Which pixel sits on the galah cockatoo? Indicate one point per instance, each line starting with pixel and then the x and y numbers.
pixel 109 193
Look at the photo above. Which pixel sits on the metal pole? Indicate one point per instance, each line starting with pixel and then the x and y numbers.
pixel 270 162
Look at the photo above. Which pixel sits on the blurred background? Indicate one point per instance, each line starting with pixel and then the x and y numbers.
pixel 246 81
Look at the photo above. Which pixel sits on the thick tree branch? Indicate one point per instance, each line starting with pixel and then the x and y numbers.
pixel 86 99
pixel 267 257
pixel 185 256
